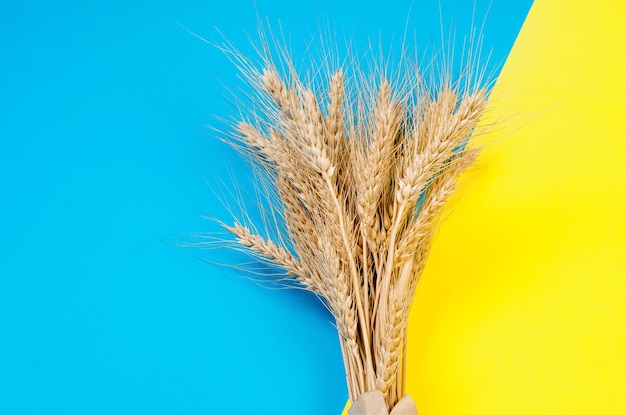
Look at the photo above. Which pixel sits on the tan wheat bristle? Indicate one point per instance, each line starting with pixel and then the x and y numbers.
pixel 363 171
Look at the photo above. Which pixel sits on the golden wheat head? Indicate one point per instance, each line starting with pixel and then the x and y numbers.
pixel 361 165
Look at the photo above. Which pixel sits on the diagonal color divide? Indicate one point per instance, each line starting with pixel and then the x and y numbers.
pixel 521 308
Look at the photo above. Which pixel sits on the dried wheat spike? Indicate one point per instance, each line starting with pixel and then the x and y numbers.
pixel 361 167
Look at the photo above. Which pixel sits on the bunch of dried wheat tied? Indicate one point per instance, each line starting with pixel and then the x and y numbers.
pixel 361 168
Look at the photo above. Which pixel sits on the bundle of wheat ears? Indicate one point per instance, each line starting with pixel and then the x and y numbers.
pixel 360 166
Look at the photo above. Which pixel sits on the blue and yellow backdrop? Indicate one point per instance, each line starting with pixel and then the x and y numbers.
pixel 104 155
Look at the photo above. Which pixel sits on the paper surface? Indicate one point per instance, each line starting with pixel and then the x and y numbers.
pixel 521 308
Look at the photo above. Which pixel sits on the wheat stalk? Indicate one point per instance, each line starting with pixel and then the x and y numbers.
pixel 362 170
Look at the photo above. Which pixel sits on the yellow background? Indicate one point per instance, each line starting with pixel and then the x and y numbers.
pixel 522 307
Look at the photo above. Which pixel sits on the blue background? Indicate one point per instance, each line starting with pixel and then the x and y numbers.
pixel 104 155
